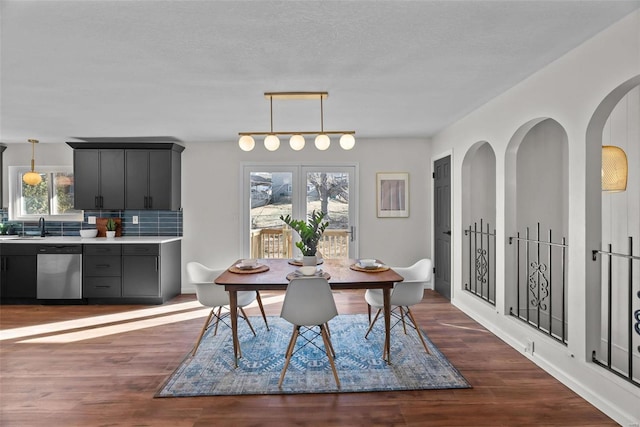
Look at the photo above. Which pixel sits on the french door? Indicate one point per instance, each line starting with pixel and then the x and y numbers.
pixel 270 191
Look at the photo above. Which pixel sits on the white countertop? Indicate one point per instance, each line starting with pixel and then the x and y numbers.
pixel 88 240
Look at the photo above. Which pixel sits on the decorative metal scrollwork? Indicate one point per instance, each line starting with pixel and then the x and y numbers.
pixel 481 265
pixel 538 280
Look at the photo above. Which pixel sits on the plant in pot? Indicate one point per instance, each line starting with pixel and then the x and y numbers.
pixel 310 233
pixel 111 228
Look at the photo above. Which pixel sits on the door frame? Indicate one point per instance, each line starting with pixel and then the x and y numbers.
pixel 454 235
pixel 298 169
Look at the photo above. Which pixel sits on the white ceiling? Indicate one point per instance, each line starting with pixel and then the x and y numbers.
pixel 197 70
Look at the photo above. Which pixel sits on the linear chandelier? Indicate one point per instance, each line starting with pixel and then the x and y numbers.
pixel 296 140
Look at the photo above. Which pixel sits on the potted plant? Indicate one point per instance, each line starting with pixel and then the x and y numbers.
pixel 111 228
pixel 310 233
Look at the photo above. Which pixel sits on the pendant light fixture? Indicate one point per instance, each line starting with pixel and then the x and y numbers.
pixel 614 169
pixel 32 177
pixel 296 140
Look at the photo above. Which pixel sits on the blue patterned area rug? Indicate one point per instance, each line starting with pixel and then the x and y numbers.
pixel 358 361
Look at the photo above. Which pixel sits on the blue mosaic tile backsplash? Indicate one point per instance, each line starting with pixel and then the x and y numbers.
pixel 150 223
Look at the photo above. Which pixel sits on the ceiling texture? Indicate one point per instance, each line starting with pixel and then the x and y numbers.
pixel 197 70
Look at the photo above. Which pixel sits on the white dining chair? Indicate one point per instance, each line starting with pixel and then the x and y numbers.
pixel 211 295
pixel 308 303
pixel 404 294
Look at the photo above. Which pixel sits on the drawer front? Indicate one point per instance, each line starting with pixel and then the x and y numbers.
pixel 102 266
pixel 147 249
pixel 102 250
pixel 101 287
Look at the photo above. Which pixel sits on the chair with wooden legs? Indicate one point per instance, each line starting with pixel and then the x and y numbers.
pixel 211 295
pixel 404 295
pixel 308 303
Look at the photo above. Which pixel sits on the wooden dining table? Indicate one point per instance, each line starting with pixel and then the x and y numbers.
pixel 342 276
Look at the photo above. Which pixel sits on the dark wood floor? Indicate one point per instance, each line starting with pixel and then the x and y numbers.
pixel 110 379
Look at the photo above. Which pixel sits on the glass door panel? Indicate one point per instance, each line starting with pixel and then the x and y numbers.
pixel 271 196
pixel 329 189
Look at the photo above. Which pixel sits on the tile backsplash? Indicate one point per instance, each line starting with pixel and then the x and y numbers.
pixel 150 223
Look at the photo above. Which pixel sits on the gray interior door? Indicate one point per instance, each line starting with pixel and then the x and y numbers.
pixel 442 231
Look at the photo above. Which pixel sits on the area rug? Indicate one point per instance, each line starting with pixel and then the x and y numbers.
pixel 358 361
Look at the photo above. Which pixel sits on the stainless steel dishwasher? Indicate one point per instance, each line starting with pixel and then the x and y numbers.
pixel 59 272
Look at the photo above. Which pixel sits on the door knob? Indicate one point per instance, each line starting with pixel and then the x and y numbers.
pixel 448 232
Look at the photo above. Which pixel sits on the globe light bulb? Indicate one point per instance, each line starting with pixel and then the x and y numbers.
pixel 322 142
pixel 296 142
pixel 271 142
pixel 347 141
pixel 246 143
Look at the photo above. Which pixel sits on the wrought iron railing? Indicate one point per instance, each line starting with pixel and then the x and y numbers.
pixel 633 317
pixel 537 290
pixel 482 262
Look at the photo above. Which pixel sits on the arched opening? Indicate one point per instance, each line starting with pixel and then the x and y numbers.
pixel 479 218
pixel 613 236
pixel 536 223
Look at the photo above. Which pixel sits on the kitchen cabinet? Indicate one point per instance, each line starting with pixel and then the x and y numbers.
pixel 102 271
pixel 152 179
pixel 98 178
pixel 132 273
pixel 18 272
pixel 127 175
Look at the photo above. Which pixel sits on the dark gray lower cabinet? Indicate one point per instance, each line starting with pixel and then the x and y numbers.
pixel 18 272
pixel 102 271
pixel 132 273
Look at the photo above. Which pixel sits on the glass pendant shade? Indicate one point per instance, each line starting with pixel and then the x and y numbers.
pixel 347 141
pixel 614 169
pixel 297 142
pixel 271 142
pixel 322 142
pixel 32 178
pixel 246 143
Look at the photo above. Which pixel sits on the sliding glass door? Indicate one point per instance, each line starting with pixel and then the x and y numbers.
pixel 273 190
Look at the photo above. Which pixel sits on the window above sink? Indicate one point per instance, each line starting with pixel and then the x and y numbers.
pixel 52 199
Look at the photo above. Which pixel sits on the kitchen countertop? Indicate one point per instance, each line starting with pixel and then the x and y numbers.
pixel 55 240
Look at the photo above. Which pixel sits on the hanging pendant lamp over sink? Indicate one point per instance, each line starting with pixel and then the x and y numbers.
pixel 32 177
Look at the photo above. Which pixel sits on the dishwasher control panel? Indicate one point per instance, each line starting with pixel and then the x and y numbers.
pixel 60 249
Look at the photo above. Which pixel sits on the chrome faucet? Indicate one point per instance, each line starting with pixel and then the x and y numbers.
pixel 41 225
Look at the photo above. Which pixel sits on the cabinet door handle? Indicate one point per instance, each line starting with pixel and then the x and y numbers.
pixel 103 286
pixel 156 264
pixel 146 202
pixel 103 265
pixel 150 202
pixel 96 202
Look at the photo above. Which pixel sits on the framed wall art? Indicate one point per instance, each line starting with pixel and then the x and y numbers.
pixel 393 194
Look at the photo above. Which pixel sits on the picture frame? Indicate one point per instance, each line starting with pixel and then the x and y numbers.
pixel 392 199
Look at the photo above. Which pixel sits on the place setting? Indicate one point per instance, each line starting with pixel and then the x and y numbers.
pixel 369 265
pixel 248 266
pixel 308 271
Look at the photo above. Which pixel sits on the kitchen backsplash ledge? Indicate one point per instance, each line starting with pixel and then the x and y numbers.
pixel 150 223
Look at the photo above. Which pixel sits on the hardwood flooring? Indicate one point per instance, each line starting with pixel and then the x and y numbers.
pixel 103 370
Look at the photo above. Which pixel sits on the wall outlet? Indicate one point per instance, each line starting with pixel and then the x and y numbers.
pixel 530 347
pixel 135 219
pixel 91 219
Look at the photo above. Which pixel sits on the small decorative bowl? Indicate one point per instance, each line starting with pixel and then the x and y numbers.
pixel 308 270
pixel 368 263
pixel 91 232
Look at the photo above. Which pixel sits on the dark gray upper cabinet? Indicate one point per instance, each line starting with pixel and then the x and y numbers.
pixel 98 179
pixel 152 179
pixel 140 176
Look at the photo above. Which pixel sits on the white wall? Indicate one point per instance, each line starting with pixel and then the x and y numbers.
pixel 569 90
pixel 211 203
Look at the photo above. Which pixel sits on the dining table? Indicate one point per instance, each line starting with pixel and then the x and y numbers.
pixel 275 274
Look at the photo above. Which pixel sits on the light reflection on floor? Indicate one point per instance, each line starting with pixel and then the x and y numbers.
pixel 116 323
